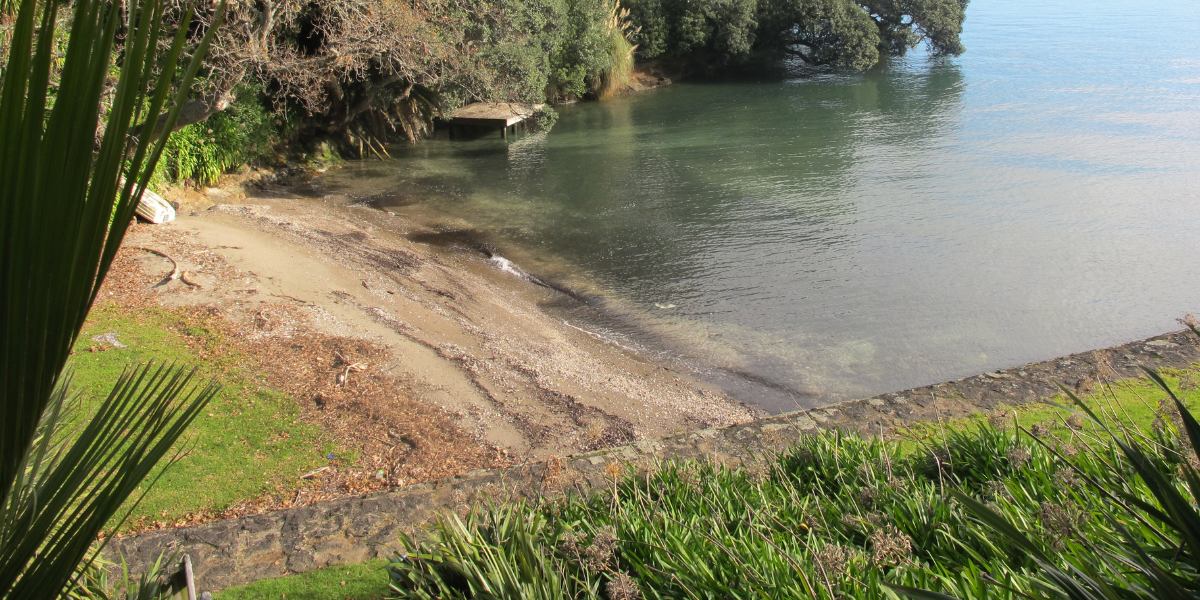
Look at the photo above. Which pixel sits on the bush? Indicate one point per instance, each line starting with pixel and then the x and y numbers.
pixel 202 152
pixel 517 51
pixel 583 55
pixel 651 29
pixel 560 50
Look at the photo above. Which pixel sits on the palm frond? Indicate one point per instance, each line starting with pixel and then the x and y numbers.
pixel 52 519
pixel 67 193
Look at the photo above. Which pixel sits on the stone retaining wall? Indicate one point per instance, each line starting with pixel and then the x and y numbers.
pixel 236 551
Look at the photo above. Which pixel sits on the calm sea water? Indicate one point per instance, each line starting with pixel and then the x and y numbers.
pixel 815 238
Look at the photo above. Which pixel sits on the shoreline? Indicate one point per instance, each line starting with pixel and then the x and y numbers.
pixel 583 302
pixel 586 309
pixel 378 323
pixel 523 366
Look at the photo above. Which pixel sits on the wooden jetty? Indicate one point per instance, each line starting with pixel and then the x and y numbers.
pixel 501 116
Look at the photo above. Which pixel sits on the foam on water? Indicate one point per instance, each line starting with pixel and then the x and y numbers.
pixel 507 266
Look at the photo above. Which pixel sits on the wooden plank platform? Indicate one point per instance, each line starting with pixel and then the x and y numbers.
pixel 493 115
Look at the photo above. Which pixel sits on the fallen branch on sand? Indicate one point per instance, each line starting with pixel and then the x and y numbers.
pixel 175 274
pixel 183 276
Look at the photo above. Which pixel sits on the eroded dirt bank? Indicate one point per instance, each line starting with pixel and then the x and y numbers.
pixel 430 361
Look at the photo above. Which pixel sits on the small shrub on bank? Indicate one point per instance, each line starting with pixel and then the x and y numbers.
pixel 994 511
pixel 200 153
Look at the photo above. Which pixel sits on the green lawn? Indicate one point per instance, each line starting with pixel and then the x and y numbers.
pixel 366 581
pixel 249 442
pixel 1132 402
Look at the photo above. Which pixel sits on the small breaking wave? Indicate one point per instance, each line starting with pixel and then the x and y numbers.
pixel 511 268
pixel 508 267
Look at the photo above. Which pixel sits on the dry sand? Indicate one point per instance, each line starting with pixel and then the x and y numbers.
pixel 438 333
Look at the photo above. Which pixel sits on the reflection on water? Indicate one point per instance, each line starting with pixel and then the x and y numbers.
pixel 841 235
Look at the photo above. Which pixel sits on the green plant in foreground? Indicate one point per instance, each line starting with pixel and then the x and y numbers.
pixel 1152 549
pixel 839 516
pixel 61 185
pixel 98 582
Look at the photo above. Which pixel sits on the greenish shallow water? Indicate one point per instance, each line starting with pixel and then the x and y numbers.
pixel 821 237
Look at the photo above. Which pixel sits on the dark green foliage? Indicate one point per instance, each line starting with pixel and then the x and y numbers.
pixel 559 48
pixel 202 152
pixel 851 34
pixel 548 49
pixel 723 28
pixel 838 517
pixel 837 33
pixel 582 56
pixel 653 35
pixel 519 49
pixel 545 119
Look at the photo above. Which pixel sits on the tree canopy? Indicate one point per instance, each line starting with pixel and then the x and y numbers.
pixel 375 65
pixel 362 73
pixel 851 34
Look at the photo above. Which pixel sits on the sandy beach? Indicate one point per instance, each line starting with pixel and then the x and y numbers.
pixel 432 360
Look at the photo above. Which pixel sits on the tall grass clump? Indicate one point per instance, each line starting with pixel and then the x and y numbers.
pixel 993 511
pixel 621 51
